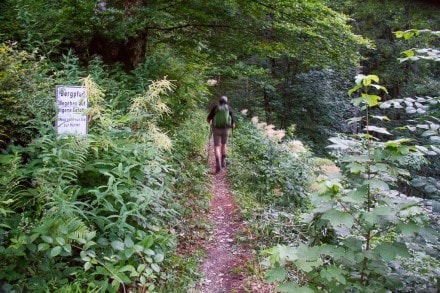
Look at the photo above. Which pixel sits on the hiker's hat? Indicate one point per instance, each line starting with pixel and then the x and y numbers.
pixel 223 99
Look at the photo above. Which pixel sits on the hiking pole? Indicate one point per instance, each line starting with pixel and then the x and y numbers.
pixel 232 140
pixel 209 142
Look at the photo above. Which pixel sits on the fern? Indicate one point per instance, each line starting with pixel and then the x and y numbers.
pixel 61 160
pixel 71 229
pixel 10 180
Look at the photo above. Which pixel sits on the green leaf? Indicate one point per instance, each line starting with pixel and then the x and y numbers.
pixel 340 143
pixel 377 184
pixel 431 189
pixel 398 34
pixel 127 268
pixel 294 288
pixel 331 273
pixel 308 266
pixel 389 251
pixel 276 274
pixel 67 248
pixel 60 241
pixel 380 214
pixel 148 241
pixel 91 235
pixel 356 168
pixel 89 244
pixel 118 245
pixel 128 252
pixel 47 239
pixel 370 78
pixel 103 241
pixel 370 100
pixel 408 229
pixel 377 129
pixel 357 196
pixel 287 253
pixel 354 89
pixel 397 142
pixel 43 246
pixel 155 267
pixel 159 257
pixel 128 241
pixel 141 268
pixel 149 251
pixel 419 182
pixel 55 251
pixel 337 218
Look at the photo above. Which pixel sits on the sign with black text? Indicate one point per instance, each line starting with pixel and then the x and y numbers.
pixel 72 105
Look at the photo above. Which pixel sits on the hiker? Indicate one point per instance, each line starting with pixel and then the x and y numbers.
pixel 221 119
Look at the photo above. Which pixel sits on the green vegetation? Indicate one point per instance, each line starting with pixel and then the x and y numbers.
pixel 370 222
pixel 121 208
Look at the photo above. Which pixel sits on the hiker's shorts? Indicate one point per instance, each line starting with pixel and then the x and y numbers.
pixel 220 136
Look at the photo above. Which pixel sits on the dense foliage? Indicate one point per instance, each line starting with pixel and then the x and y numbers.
pixel 370 222
pixel 107 211
pixel 100 211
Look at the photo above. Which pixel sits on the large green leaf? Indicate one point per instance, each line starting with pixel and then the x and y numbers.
pixel 276 274
pixel 118 245
pixel 378 214
pixel 333 273
pixel 338 218
pixel 55 251
pixel 377 184
pixel 294 288
pixel 408 229
pixel 380 130
pixel 356 168
pixel 389 251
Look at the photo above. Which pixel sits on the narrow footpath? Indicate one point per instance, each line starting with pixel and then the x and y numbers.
pixel 224 268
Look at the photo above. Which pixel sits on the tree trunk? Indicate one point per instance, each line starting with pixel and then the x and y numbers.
pixel 130 51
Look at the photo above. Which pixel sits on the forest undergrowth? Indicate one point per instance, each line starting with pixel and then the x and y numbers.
pixel 322 226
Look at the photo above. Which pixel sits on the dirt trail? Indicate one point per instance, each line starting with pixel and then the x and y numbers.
pixel 225 256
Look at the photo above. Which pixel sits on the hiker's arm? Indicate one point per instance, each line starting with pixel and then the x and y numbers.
pixel 211 115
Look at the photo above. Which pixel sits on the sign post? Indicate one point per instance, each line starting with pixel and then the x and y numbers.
pixel 72 105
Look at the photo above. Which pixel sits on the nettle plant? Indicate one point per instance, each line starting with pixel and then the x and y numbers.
pixel 368 222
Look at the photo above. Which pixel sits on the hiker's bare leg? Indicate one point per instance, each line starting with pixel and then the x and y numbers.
pixel 224 149
pixel 218 151
pixel 218 156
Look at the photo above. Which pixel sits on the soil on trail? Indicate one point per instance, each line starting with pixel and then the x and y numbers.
pixel 226 258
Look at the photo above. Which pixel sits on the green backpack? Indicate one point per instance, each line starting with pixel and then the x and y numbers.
pixel 222 118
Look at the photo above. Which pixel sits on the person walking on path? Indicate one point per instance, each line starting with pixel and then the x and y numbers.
pixel 221 119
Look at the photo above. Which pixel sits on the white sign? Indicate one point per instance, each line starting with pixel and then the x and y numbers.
pixel 72 106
